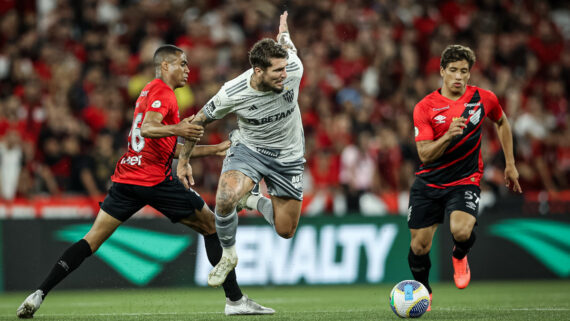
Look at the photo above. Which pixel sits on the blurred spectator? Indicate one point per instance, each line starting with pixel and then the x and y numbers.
pixel 357 171
pixel 11 157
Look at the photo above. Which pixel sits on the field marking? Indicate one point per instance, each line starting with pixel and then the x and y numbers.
pixel 541 309
pixel 280 312
pixel 499 309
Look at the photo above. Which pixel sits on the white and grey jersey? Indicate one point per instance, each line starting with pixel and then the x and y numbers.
pixel 268 122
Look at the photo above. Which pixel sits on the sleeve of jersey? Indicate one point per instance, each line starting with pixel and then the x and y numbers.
pixel 162 102
pixel 294 65
pixel 285 41
pixel 422 126
pixel 495 109
pixel 219 106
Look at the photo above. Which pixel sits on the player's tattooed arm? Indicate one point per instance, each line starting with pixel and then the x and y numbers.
pixel 184 170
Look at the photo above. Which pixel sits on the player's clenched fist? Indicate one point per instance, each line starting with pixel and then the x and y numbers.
pixel 189 131
pixel 456 127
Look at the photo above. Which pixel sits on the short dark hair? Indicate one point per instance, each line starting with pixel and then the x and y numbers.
pixel 263 50
pixel 453 53
pixel 164 52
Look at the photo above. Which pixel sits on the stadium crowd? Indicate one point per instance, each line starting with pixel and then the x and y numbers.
pixel 70 72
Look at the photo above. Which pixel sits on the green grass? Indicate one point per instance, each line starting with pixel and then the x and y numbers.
pixel 525 300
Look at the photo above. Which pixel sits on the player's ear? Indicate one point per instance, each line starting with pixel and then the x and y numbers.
pixel 164 66
pixel 258 71
pixel 441 71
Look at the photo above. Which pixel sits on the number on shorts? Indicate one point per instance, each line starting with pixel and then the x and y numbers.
pixel 469 195
pixel 137 141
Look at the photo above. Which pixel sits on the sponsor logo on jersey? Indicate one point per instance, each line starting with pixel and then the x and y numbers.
pixel 289 95
pixel 132 160
pixel 470 105
pixel 210 108
pixel 440 109
pixel 156 104
pixel 271 118
pixel 439 119
pixel 252 107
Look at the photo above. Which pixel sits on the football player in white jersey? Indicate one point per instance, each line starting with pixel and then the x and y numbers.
pixel 269 144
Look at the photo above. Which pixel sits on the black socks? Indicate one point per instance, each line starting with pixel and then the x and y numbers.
pixel 69 261
pixel 462 248
pixel 214 252
pixel 420 265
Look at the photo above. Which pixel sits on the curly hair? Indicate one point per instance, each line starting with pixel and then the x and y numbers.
pixel 453 53
pixel 263 50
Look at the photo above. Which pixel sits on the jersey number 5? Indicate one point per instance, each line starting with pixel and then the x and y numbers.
pixel 137 141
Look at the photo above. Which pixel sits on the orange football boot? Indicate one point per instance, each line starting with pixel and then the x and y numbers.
pixel 462 273
pixel 429 306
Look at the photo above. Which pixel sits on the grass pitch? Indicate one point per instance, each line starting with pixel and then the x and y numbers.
pixel 524 300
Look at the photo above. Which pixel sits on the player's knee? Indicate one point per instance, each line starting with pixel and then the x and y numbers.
pixel 93 245
pixel 461 234
pixel 286 232
pixel 420 247
pixel 226 202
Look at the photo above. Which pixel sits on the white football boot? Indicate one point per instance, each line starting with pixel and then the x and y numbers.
pixel 245 306
pixel 227 263
pixel 30 305
pixel 242 203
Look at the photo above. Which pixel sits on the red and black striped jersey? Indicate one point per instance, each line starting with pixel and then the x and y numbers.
pixel 461 163
pixel 148 161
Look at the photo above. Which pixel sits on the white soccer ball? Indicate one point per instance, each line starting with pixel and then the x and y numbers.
pixel 409 299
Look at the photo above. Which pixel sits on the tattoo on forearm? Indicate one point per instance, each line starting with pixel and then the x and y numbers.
pixel 188 147
pixel 201 119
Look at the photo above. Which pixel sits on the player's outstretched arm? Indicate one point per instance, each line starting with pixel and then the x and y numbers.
pixel 206 150
pixel 184 170
pixel 152 127
pixel 506 138
pixel 283 37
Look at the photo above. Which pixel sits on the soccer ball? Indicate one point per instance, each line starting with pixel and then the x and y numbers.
pixel 409 299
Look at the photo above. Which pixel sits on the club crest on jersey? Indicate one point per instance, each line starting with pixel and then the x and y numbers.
pixel 156 104
pixel 439 119
pixel 288 95
pixel 476 117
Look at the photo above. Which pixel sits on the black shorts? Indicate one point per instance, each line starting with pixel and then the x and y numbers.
pixel 430 205
pixel 170 198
